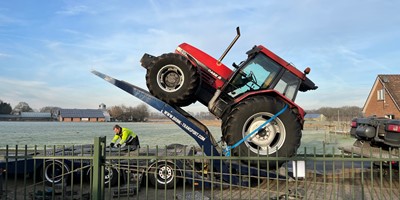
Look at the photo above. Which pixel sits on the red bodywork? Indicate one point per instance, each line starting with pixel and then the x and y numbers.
pixel 282 62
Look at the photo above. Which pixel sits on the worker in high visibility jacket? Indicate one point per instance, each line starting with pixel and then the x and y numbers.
pixel 126 136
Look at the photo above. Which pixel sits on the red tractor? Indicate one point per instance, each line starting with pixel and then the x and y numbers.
pixel 243 98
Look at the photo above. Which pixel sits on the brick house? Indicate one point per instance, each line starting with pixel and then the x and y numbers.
pixel 384 97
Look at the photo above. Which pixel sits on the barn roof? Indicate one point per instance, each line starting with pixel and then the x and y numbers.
pixel 8 116
pixel 35 115
pixel 311 116
pixel 82 113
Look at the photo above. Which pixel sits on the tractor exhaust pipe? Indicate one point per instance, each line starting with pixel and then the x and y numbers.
pixel 230 46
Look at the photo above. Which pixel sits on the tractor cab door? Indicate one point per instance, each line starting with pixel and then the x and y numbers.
pixel 288 85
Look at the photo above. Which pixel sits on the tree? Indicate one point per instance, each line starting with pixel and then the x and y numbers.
pixel 49 109
pixel 116 112
pixel 22 107
pixel 345 113
pixel 142 113
pixel 5 108
pixel 123 113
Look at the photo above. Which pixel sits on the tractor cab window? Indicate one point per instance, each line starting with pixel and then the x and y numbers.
pixel 257 73
pixel 288 85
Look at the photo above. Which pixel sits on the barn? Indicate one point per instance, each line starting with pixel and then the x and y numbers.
pixel 81 115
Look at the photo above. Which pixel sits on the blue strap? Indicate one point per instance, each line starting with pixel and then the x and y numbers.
pixel 227 150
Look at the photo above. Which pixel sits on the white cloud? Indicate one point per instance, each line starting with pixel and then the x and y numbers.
pixel 76 10
pixel 4 55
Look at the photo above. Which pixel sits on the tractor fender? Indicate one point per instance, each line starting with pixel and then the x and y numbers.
pixel 296 108
pixel 146 60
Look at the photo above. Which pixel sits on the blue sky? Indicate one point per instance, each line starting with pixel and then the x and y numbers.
pixel 47 47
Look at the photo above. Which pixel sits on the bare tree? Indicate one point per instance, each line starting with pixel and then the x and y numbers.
pixel 49 109
pixel 139 113
pixel 130 114
pixel 142 112
pixel 116 112
pixel 345 113
pixel 22 107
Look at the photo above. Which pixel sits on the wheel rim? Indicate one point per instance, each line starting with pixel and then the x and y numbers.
pixel 108 175
pixel 267 140
pixel 56 175
pixel 165 174
pixel 170 78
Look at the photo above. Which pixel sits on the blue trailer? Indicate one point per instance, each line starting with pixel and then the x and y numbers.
pixel 230 171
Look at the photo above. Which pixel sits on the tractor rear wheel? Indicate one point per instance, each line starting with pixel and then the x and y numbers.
pixel 173 79
pixel 280 138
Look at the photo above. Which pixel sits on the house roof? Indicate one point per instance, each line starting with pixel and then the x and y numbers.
pixel 82 113
pixel 35 115
pixel 391 83
pixel 8 116
pixel 311 116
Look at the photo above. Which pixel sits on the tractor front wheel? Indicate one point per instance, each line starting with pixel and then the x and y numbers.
pixel 173 79
pixel 279 138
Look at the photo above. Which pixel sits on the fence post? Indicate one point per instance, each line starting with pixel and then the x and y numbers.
pixel 98 168
pixel 1 182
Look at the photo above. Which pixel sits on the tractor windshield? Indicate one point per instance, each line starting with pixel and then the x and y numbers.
pixel 258 73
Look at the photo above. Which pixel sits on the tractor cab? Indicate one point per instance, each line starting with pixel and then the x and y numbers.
pixel 263 72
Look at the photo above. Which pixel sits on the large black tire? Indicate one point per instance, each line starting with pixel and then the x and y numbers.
pixel 164 174
pixel 280 138
pixel 173 79
pixel 55 172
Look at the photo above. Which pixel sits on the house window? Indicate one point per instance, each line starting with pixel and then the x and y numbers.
pixel 381 95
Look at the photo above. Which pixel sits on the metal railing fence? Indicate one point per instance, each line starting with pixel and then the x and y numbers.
pixel 182 172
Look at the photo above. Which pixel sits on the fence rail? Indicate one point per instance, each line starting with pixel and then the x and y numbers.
pixel 181 172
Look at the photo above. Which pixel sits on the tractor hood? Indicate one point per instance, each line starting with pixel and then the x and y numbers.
pixel 202 59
